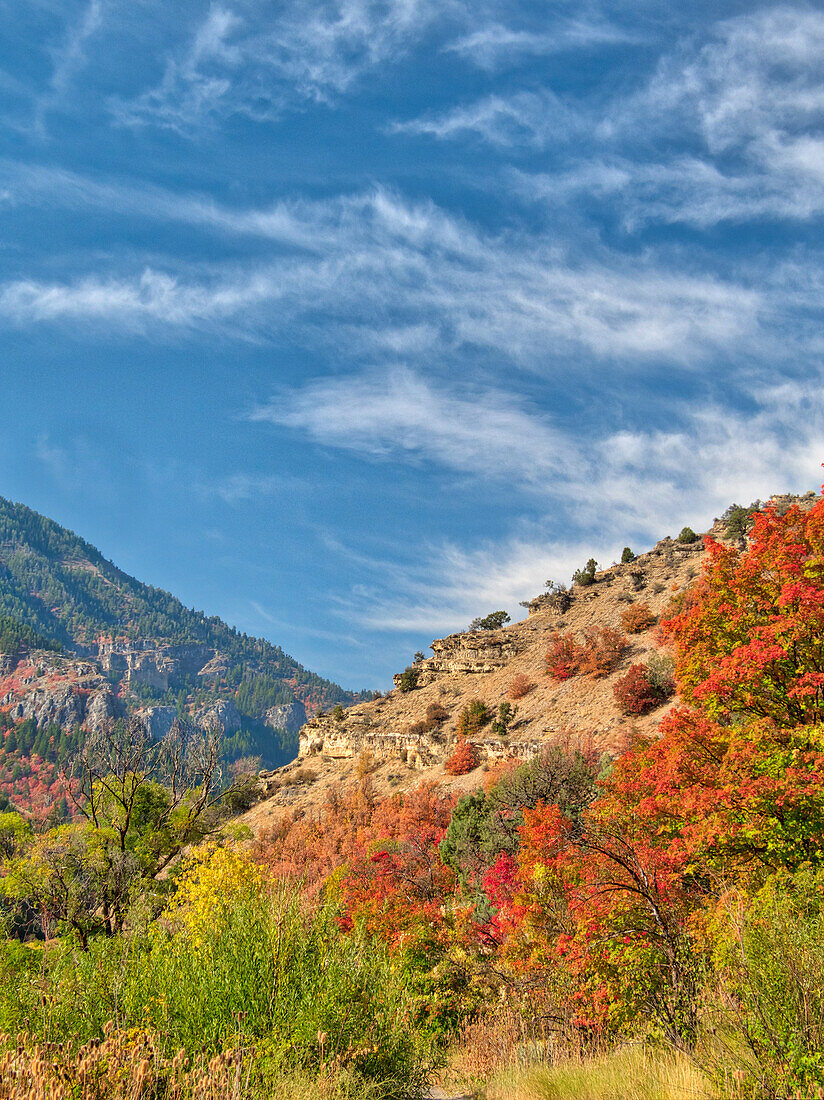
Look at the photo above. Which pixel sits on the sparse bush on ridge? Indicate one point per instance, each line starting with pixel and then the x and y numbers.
pixel 493 621
pixel 586 576
pixel 409 679
pixel 436 713
pixel 738 520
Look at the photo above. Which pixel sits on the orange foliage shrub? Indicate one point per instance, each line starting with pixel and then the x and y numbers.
pixel 463 760
pixel 519 686
pixel 602 649
pixel 637 618
pixel 563 658
pixel 599 653
pixel 312 846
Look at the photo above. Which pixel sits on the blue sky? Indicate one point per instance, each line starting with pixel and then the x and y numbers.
pixel 351 320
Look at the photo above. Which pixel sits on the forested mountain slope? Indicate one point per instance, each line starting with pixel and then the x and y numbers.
pixel 83 642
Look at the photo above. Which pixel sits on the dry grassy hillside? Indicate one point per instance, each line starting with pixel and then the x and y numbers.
pixel 380 737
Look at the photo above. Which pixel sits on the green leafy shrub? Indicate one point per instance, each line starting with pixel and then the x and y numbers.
pixel 627 555
pixel 484 824
pixel 237 959
pixel 409 679
pixel 505 719
pixel 771 963
pixel 473 718
pixel 493 621
pixel 586 576
pixel 687 535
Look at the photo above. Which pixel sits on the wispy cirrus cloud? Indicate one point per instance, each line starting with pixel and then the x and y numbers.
pixel 495 45
pixel 525 118
pixel 241 60
pixel 634 483
pixel 745 104
pixel 399 414
pixel 375 260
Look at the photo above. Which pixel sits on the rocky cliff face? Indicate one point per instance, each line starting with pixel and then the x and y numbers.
pixel 222 713
pixel 472 653
pixel 287 716
pixel 156 666
pixel 391 740
pixel 158 720
pixel 60 690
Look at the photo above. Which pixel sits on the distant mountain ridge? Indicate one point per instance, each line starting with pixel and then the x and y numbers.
pixel 57 590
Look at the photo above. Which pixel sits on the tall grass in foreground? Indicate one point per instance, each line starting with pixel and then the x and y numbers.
pixel 634 1073
pixel 245 967
pixel 128 1066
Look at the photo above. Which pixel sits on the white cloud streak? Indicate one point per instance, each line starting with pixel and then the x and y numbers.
pixel 309 51
pixel 375 260
pixel 525 118
pixel 750 97
pixel 630 486
pixel 495 45
pixel 399 413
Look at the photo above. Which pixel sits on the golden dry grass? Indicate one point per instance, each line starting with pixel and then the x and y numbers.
pixel 630 1074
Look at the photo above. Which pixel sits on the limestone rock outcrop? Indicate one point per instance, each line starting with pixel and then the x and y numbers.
pixel 222 712
pixel 158 720
pixel 63 691
pixel 156 666
pixel 478 652
pixel 286 716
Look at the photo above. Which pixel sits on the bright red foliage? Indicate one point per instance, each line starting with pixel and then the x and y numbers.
pixel 464 759
pixel 634 693
pixel 750 640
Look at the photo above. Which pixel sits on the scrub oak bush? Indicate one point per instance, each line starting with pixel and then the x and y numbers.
pixel 602 649
pixel 464 759
pixel 637 618
pixel 563 656
pixel 596 656
pixel 519 686
pixel 436 713
pixel 645 686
